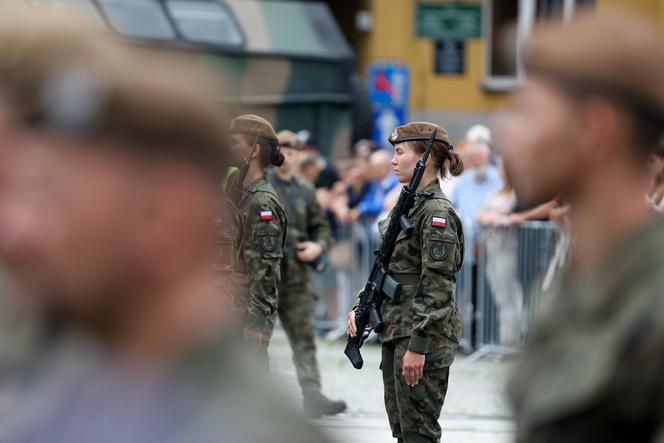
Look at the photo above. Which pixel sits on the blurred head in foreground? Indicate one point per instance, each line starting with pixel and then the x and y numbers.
pixel 593 102
pixel 115 159
pixel 584 124
pixel 107 210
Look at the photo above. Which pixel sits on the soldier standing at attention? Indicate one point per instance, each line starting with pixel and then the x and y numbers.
pixel 264 229
pixel 307 239
pixel 584 124
pixel 422 330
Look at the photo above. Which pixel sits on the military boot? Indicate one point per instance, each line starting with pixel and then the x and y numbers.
pixel 316 405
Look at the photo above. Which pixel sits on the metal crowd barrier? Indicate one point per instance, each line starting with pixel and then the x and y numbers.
pixel 511 266
pixel 497 292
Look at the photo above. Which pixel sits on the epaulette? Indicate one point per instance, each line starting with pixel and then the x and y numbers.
pixel 425 194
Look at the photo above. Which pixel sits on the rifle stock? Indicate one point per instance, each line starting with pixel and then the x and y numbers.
pixel 380 284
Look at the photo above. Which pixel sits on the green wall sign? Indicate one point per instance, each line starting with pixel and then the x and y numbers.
pixel 449 21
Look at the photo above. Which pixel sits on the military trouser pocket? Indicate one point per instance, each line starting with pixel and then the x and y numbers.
pixel 439 358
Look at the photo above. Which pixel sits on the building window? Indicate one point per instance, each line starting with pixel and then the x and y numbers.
pixel 138 19
pixel 507 24
pixel 205 22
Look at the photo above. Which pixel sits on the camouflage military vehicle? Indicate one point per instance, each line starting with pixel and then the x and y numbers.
pixel 284 60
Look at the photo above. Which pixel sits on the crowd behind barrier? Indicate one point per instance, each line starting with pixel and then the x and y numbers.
pixel 498 291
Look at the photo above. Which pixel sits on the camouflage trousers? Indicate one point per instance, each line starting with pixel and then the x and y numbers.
pixel 296 312
pixel 413 412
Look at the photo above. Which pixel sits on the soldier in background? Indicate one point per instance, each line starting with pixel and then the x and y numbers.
pixel 113 162
pixel 264 224
pixel 584 124
pixel 423 328
pixel 308 239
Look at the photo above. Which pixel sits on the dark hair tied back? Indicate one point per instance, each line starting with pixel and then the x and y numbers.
pixel 445 159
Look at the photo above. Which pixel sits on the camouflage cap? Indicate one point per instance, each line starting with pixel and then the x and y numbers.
pixel 611 53
pixel 414 131
pixel 289 139
pixel 250 124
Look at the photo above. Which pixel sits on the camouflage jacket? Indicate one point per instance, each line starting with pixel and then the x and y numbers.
pixel 306 222
pixel 426 263
pixel 593 369
pixel 264 224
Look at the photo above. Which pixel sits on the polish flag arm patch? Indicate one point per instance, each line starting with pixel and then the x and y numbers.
pixel 438 222
pixel 266 215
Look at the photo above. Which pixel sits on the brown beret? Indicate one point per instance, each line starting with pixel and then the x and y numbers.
pixel 250 124
pixel 289 139
pixel 414 131
pixel 605 51
pixel 57 74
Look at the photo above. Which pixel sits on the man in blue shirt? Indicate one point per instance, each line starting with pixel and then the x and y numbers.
pixel 475 186
pixel 383 182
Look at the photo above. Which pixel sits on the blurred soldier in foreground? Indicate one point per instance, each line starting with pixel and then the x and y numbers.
pixel 106 224
pixel 307 239
pixel 263 228
pixel 422 323
pixel 584 124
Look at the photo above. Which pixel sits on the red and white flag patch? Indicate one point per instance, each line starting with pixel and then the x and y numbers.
pixel 439 222
pixel 266 215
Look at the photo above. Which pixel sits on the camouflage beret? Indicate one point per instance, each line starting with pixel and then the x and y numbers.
pixel 415 131
pixel 289 139
pixel 250 124
pixel 610 53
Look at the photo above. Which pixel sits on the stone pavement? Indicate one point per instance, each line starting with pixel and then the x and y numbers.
pixel 475 410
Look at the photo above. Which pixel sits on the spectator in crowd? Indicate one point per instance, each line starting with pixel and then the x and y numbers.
pixel 382 182
pixel 350 190
pixel 655 197
pixel 476 185
pixel 327 174
pixel 501 208
pixel 364 148
pixel 309 170
pixel 358 182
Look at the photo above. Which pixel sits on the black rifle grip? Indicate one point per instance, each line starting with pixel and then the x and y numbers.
pixel 352 351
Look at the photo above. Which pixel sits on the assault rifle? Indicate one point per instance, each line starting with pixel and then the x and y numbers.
pixel 237 183
pixel 380 283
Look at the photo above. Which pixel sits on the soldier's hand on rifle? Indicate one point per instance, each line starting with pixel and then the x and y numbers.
pixel 308 251
pixel 254 338
pixel 413 367
pixel 352 327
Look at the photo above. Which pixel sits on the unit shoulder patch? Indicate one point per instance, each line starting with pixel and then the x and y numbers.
pixel 439 250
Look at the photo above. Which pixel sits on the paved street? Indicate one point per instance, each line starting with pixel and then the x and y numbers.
pixel 474 411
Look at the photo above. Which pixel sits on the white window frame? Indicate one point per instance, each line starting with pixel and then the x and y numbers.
pixel 525 22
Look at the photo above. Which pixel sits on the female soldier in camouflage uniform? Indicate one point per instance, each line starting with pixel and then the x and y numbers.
pixel 263 230
pixel 422 330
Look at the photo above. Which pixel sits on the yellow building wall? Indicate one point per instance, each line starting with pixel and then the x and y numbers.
pixel 653 9
pixel 393 39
